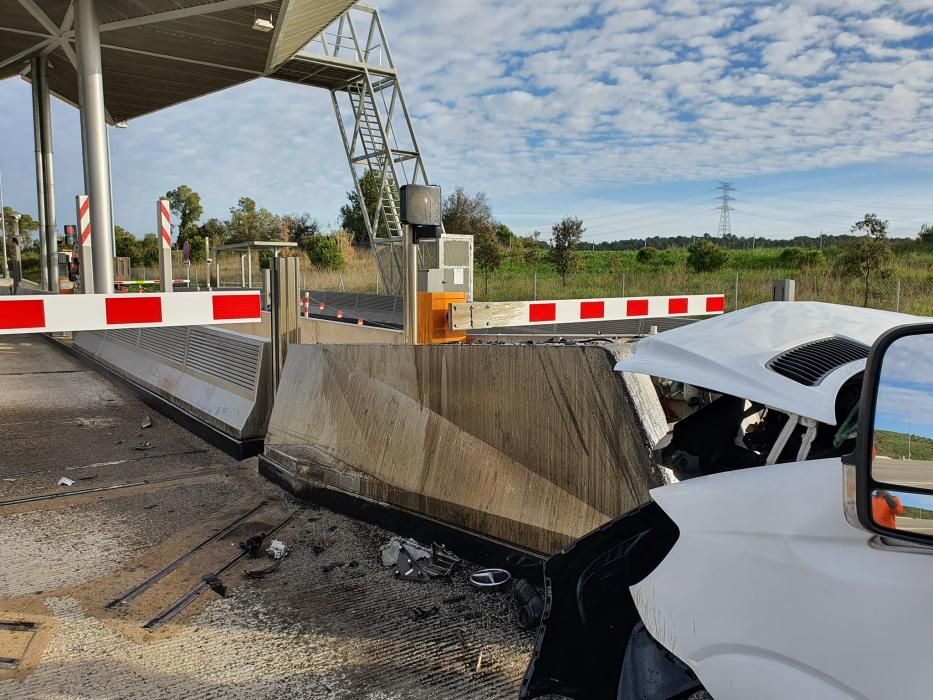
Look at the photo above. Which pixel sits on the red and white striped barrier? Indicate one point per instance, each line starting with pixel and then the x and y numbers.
pixel 164 226
pixel 86 312
pixel 503 314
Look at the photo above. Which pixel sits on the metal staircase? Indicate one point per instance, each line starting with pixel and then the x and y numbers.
pixel 351 58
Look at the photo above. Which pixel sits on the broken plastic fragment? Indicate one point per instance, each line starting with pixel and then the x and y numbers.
pixel 65 481
pixel 277 549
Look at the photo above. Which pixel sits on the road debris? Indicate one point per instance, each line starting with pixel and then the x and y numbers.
pixel 251 546
pixel 530 604
pixel 215 584
pixel 147 422
pixel 144 446
pixel 65 481
pixel 262 573
pixel 278 549
pixel 413 561
pixel 419 613
pixel 490 579
pixel 479 662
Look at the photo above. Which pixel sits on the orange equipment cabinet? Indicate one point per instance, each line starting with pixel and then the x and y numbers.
pixel 433 327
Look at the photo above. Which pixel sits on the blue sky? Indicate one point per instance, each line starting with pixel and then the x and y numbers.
pixel 622 112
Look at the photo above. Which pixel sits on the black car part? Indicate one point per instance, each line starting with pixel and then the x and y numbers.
pixel 589 613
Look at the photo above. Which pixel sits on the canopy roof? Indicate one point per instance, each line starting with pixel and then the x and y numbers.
pixel 158 53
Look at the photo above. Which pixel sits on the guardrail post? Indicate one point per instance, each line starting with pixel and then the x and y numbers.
pixel 284 285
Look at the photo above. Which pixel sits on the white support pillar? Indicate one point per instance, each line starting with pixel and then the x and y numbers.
pixel 35 78
pixel 85 256
pixel 50 232
pixel 164 227
pixel 94 137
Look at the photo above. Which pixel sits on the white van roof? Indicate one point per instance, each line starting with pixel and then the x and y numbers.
pixel 730 354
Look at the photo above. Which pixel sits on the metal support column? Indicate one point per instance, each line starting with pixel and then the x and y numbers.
pixel 410 293
pixel 285 330
pixel 48 170
pixel 95 142
pixel 17 256
pixel 35 77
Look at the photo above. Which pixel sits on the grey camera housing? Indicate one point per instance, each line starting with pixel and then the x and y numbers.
pixel 421 205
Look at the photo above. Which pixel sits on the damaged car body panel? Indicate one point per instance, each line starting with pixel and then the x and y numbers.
pixel 720 579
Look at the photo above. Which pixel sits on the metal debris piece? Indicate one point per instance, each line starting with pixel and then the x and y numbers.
pixel 413 561
pixel 408 567
pixel 479 662
pixel 392 550
pixel 490 579
pixel 65 481
pixel 147 422
pixel 441 562
pixel 216 585
pixel 144 446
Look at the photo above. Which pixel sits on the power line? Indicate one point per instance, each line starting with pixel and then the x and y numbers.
pixel 725 221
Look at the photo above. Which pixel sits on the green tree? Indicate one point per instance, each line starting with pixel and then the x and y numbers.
pixel 467 214
pixel 565 237
pixel 148 251
pixel 213 229
pixel 487 253
pixel 351 214
pixel 301 229
pixel 27 227
pixel 247 222
pixel 185 204
pixel 127 244
pixel 505 235
pixel 926 234
pixel 705 256
pixel 324 253
pixel 869 255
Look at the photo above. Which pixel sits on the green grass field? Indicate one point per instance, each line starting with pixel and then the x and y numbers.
pixel 894 445
pixel 607 273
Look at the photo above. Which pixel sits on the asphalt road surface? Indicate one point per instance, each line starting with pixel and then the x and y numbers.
pixel 330 622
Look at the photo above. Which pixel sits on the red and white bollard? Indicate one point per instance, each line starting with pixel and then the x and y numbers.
pixel 306 305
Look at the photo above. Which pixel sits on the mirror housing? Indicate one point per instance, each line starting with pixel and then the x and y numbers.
pixel 868 486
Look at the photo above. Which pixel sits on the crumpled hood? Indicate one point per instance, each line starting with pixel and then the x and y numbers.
pixel 729 353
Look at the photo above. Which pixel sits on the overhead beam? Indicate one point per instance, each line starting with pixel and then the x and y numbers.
pixel 280 23
pixel 154 54
pixel 169 15
pixel 39 14
pixel 24 54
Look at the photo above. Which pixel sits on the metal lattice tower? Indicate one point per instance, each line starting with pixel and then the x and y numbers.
pixel 352 58
pixel 725 221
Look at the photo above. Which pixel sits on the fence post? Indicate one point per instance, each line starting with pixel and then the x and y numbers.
pixel 783 290
pixel 534 286
pixel 735 306
pixel 623 284
pixel 897 296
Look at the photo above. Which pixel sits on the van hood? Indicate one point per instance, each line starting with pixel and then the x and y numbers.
pixel 730 354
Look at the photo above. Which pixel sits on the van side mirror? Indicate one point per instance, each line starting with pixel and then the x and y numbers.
pixel 894 453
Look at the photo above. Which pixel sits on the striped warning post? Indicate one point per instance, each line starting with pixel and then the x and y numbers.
pixel 85 259
pixel 164 227
pixel 165 223
pixel 85 312
pixel 530 313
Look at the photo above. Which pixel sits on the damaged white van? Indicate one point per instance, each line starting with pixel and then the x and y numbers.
pixel 791 553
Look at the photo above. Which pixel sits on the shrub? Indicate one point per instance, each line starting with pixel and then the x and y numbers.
pixel 801 257
pixel 648 255
pixel 705 256
pixel 325 254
